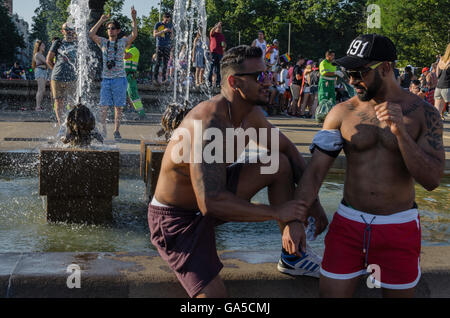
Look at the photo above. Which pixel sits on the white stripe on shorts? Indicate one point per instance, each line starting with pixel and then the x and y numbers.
pixel 396 218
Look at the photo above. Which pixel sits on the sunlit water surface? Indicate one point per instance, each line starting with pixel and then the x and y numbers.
pixel 24 228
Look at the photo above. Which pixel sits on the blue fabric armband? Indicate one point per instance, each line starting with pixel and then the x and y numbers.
pixel 328 141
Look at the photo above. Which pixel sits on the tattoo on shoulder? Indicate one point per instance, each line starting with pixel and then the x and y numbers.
pixel 411 109
pixel 434 128
pixel 350 106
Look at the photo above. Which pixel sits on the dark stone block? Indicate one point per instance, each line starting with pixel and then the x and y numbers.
pixel 75 172
pixel 79 184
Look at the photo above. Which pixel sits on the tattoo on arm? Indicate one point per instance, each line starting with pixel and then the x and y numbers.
pixel 434 128
pixel 410 109
pixel 212 177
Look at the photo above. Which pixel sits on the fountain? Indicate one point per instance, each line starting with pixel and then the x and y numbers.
pixel 188 18
pixel 79 182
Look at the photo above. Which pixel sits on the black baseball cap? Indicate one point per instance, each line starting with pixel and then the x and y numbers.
pixel 367 48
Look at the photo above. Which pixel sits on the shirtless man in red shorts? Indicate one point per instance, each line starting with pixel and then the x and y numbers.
pixel 391 139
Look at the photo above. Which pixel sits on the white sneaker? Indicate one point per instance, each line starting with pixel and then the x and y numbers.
pixel 308 264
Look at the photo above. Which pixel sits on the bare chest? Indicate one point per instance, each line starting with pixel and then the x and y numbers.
pixel 362 131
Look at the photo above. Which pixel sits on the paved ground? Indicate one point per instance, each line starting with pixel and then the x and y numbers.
pixel 29 130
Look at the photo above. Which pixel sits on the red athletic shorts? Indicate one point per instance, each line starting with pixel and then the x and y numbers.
pixel 390 242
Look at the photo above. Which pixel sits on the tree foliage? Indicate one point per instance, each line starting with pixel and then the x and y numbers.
pixel 419 28
pixel 9 37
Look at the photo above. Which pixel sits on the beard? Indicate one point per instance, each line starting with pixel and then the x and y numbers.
pixel 372 90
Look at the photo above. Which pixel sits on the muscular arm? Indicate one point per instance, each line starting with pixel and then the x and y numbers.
pixel 317 169
pixel 209 184
pixel 50 57
pixel 425 159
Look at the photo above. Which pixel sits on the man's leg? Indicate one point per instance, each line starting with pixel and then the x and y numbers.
pixel 211 69
pixel 157 65
pixel 337 288
pixel 215 289
pixel 398 293
pixel 218 78
pixel 117 118
pixel 59 109
pixel 165 59
pixel 103 115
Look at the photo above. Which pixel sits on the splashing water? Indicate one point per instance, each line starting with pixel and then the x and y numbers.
pixel 86 57
pixel 188 18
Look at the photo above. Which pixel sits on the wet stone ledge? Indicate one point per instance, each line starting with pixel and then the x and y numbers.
pixel 110 275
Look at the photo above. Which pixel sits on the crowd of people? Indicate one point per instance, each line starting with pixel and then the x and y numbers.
pixel 299 85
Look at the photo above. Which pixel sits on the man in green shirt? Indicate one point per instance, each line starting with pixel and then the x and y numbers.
pixel 131 64
pixel 328 75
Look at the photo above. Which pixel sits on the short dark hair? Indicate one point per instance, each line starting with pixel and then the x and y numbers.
pixel 330 51
pixel 261 31
pixel 415 82
pixel 234 57
pixel 167 15
pixel 115 23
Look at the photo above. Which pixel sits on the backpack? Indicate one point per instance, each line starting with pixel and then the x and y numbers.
pixel 323 109
pixel 314 78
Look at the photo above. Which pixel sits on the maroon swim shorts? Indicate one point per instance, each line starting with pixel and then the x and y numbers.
pixel 186 240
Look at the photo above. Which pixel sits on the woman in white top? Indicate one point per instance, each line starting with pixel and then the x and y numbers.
pixel 261 42
pixel 39 66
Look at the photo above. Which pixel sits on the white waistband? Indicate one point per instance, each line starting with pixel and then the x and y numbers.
pixel 396 218
pixel 328 78
pixel 157 203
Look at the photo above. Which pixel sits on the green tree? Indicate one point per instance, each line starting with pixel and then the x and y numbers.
pixel 39 26
pixel 9 36
pixel 420 29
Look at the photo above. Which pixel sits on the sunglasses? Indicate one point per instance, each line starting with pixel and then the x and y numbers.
pixel 358 75
pixel 260 77
pixel 69 29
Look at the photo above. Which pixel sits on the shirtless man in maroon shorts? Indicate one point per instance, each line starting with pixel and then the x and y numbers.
pixel 192 196
pixel 391 139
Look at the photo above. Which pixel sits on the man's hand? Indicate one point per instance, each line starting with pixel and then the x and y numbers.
pixel 294 237
pixel 318 213
pixel 133 13
pixel 105 17
pixel 291 211
pixel 391 113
